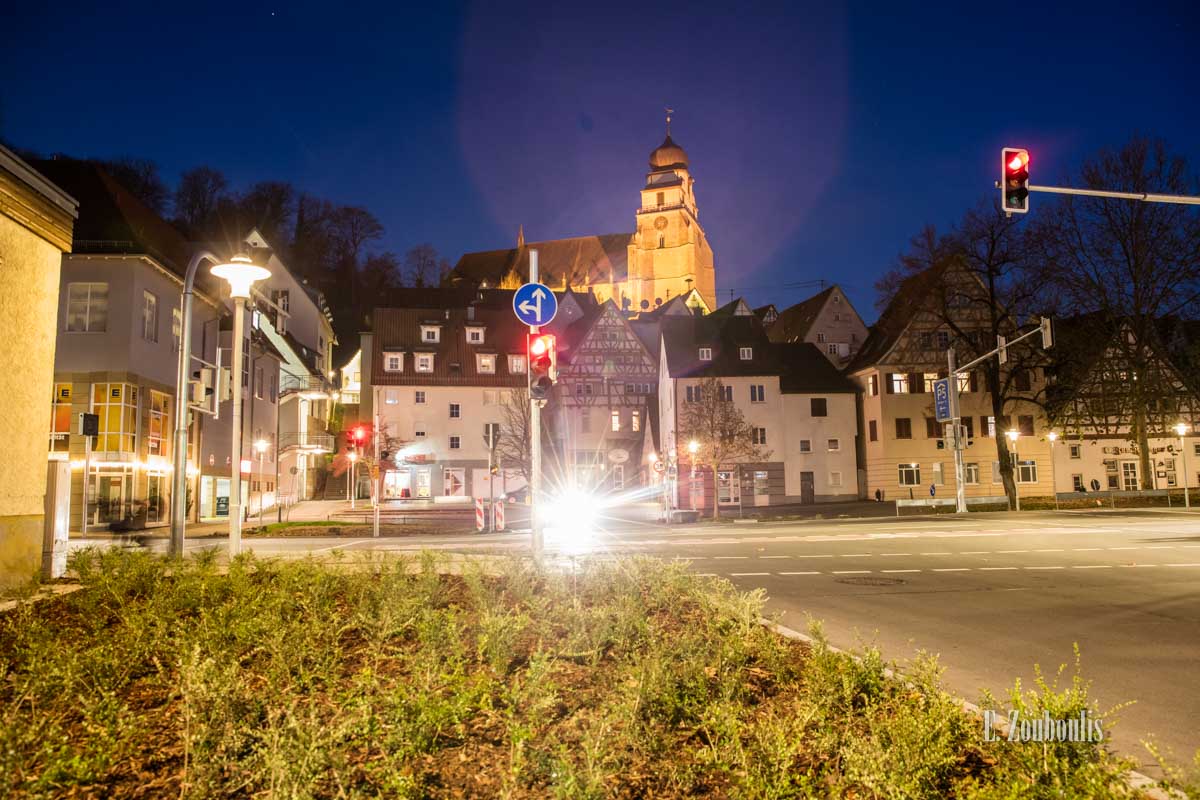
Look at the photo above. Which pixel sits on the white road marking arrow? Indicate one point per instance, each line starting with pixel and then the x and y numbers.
pixel 536 306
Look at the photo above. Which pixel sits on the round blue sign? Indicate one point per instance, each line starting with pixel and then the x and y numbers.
pixel 535 304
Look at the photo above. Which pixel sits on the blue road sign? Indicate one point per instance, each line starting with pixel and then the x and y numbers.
pixel 941 400
pixel 535 304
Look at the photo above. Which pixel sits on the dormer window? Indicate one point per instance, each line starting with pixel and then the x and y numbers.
pixel 746 353
pixel 485 364
pixel 424 362
pixel 393 361
pixel 431 334
pixel 475 335
pixel 516 365
pixel 705 354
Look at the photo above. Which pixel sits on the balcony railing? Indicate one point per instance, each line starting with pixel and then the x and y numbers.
pixel 306 442
pixel 303 384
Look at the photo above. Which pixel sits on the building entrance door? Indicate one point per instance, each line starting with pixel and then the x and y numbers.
pixel 728 491
pixel 1129 476
pixel 807 491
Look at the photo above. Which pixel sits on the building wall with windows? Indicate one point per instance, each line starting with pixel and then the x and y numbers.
pixel 819 439
pixel 1112 463
pixel 36 223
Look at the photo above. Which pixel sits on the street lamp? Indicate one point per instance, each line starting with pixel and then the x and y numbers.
pixel 1181 429
pixel 1012 437
pixel 1053 437
pixel 693 448
pixel 260 447
pixel 240 273
pixel 350 487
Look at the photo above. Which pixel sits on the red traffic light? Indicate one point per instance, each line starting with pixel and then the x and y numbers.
pixel 540 345
pixel 1019 159
pixel 359 433
pixel 1014 184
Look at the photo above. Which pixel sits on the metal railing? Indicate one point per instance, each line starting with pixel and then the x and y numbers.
pixel 312 442
pixel 289 383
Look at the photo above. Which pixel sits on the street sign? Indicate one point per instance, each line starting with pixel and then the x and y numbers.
pixel 660 467
pixel 534 304
pixel 941 400
pixel 932 490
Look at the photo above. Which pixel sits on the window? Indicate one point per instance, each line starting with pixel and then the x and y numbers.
pixel 87 307
pixel 393 362
pixel 149 317
pixel 705 354
pixel 485 364
pixel 491 433
pixel 929 379
pixel 616 420
pixel 943 340
pixel 831 348
pixel 987 427
pixel 660 198
pixel 939 474
pixel 662 240
pixel 419 433
pixel 1025 424
pixel 805 445
pixel 694 394
pixel 585 420
pixel 872 431
pixel 391 397
pixel 833 445
pixel 758 435
pixel 455 442
pixel 245 365
pixel 969 424
pixel 259 380
pixel 275 388
pixel 820 338
pixel 966 382
pixel 726 393
pixel 757 394
pixel 910 475
pixel 1075 450
pixel 424 362
pixel 933 428
pixel 897 383
pixel 925 340
pixel 516 365
pixel 835 480
pixel 1027 472
pixel 475 335
pixel 746 353
pixel 1021 380
pixel 281 300
pixel 818 407
pixel 1077 483
pixel 60 419
pixel 419 397
pixel 903 428
pixel 761 483
pixel 971 473
pixel 635 420
pixel 431 334
pixel 873 385
pixel 176 328
pixel 116 405
pixel 455 411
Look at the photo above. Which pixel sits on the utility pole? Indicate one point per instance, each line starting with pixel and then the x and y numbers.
pixel 535 441
pixel 377 477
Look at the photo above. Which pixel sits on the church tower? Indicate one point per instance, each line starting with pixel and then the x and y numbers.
pixel 669 252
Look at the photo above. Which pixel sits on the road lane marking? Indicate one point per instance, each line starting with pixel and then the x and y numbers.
pixel 1159 547
pixel 850 571
pixel 857 555
pixel 1044 568
pixel 799 573
pixel 1183 565
pixel 994 569
pixel 1092 566
pixel 727 558
pixel 939 553
pixel 1085 549
pixel 1137 566
pixel 774 556
pixel 974 552
pixel 828 555
pixel 1122 548
pixel 952 569
pixel 899 570
pixel 1049 550
pixel 1012 551
pixel 895 554
pixel 747 574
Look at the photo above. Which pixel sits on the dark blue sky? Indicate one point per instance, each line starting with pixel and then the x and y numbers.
pixel 821 136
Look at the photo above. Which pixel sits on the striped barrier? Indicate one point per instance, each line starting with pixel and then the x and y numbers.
pixel 498 515
pixel 479 515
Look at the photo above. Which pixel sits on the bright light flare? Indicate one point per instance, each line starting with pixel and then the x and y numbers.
pixel 1018 161
pixel 570 521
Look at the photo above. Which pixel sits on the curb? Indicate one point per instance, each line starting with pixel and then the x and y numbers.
pixel 1133 779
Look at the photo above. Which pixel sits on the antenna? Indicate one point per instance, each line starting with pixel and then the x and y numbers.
pixel 669 111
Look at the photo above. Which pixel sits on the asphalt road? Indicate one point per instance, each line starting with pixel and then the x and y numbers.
pixel 990 594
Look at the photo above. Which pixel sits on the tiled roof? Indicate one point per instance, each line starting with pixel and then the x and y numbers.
pixel 725 335
pixel 807 371
pixel 579 260
pixel 909 300
pixel 454 363
pixel 793 323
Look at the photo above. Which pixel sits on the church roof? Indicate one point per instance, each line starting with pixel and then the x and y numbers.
pixel 668 155
pixel 578 260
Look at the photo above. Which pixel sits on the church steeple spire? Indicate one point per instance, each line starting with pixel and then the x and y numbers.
pixel 669 111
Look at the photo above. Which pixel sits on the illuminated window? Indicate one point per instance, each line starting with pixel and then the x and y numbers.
pixel 158 434
pixel 898 383
pixel 116 405
pixel 516 365
pixel 60 418
pixel 909 475
pixel 616 420
pixel 87 307
pixel 635 421
pixel 485 364
pixel 393 362
pixel 424 362
pixel 149 317
pixel 873 385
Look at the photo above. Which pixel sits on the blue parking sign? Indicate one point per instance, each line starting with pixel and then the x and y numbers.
pixel 941 400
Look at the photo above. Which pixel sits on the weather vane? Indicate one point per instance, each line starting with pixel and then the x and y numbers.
pixel 669 111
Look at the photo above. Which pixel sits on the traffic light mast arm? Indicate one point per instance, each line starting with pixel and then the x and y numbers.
pixel 1008 344
pixel 1145 197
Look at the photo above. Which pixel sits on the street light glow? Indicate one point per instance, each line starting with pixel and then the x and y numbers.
pixel 1012 435
pixel 693 447
pixel 1181 428
pixel 261 445
pixel 1052 436
pixel 241 273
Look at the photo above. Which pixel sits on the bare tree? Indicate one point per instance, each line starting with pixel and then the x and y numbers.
pixel 353 227
pixel 198 197
pixel 140 176
pixel 514 445
pixel 421 265
pixel 380 272
pixel 1130 264
pixel 269 206
pixel 721 431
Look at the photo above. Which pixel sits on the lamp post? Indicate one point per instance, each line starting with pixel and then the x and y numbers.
pixel 350 487
pixel 1053 437
pixel 1181 429
pixel 240 273
pixel 1012 437
pixel 260 447
pixel 693 448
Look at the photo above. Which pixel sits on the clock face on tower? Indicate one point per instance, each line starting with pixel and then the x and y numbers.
pixel 660 223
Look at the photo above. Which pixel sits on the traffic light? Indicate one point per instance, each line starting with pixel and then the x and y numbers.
pixel 1015 186
pixel 359 434
pixel 543 362
pixel 1047 333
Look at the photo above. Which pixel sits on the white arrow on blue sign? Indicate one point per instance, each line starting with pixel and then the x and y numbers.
pixel 941 400
pixel 535 304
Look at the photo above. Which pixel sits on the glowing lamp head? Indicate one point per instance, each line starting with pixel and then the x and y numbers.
pixel 352 456
pixel 653 457
pixel 1181 428
pixel 240 273
pixel 261 445
pixel 1012 435
pixel 693 447
pixel 1052 436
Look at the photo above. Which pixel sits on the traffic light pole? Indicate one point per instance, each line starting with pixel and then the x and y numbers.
pixel 1145 197
pixel 960 474
pixel 535 440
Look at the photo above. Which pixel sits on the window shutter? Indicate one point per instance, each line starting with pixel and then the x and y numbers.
pixel 974 381
pixel 887 382
pixel 916 383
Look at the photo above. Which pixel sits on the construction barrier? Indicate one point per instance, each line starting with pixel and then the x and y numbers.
pixel 479 515
pixel 498 515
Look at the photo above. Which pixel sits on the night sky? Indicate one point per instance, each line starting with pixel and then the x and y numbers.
pixel 821 136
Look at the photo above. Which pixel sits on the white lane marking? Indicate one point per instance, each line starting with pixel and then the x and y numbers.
pixel 728 558
pixel 1159 547
pixel 747 574
pixel 974 552
pixel 1049 550
pixel 799 573
pixel 1085 549
pixel 1122 548
pixel 899 570
pixel 857 555
pixel 1012 551
pixel 895 554
pixel 952 569
pixel 1183 565
pixel 774 556
pixel 828 555
pixel 1137 566
pixel 995 569
pixel 939 553
pixel 1092 566
pixel 850 571
pixel 1045 567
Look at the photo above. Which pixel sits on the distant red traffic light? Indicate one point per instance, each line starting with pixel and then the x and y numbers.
pixel 539 345
pixel 1018 160
pixel 1014 185
pixel 359 434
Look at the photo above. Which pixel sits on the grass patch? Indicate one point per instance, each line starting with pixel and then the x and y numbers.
pixel 628 679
